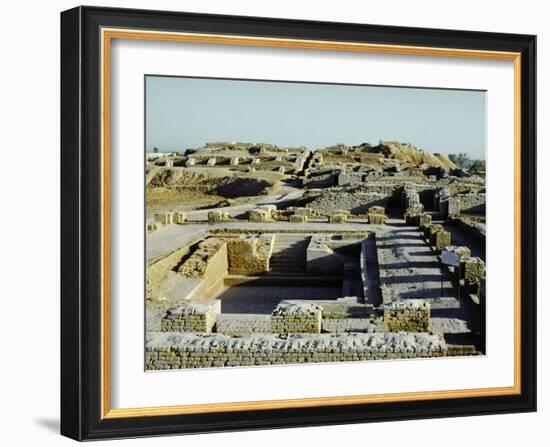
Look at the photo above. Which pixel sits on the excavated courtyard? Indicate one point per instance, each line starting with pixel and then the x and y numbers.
pixel 347 266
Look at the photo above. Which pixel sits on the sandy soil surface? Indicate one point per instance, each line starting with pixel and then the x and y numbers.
pixel 196 188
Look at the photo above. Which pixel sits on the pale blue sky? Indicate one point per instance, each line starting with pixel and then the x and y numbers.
pixel 186 113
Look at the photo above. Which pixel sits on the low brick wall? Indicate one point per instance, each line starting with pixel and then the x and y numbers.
pixel 460 350
pixel 243 324
pixel 197 316
pixel 290 318
pixel 177 351
pixel 407 316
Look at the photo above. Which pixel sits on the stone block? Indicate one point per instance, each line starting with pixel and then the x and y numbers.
pixel 211 161
pixel 234 161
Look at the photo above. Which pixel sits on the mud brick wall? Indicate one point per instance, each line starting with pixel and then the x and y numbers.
pixel 290 318
pixel 199 316
pixel 300 211
pixel 164 218
pixel 426 229
pixel 338 218
pixel 249 255
pixel 424 219
pixel 440 240
pixel 218 216
pixel 471 203
pixel 411 200
pixel 474 269
pixel 208 261
pixel 180 217
pixel 407 316
pixel 411 216
pixel 259 215
pixel 353 178
pixel 377 219
pixel 320 179
pixel 356 202
pixel 297 218
pixel 477 230
pixel 431 229
pixel 243 324
pixel 157 270
pixel 262 213
pixel 376 215
pixel 458 350
pixel 453 206
pixel 177 351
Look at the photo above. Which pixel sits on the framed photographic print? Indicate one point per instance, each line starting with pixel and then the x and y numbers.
pixel 276 223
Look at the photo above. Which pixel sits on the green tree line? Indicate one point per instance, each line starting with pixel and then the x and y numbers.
pixel 462 160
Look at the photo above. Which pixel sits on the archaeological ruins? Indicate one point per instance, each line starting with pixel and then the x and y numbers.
pixel 262 255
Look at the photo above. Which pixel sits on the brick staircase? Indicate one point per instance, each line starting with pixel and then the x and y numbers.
pixel 289 255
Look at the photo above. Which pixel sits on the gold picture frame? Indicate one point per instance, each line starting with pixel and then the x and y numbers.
pixel 103 22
